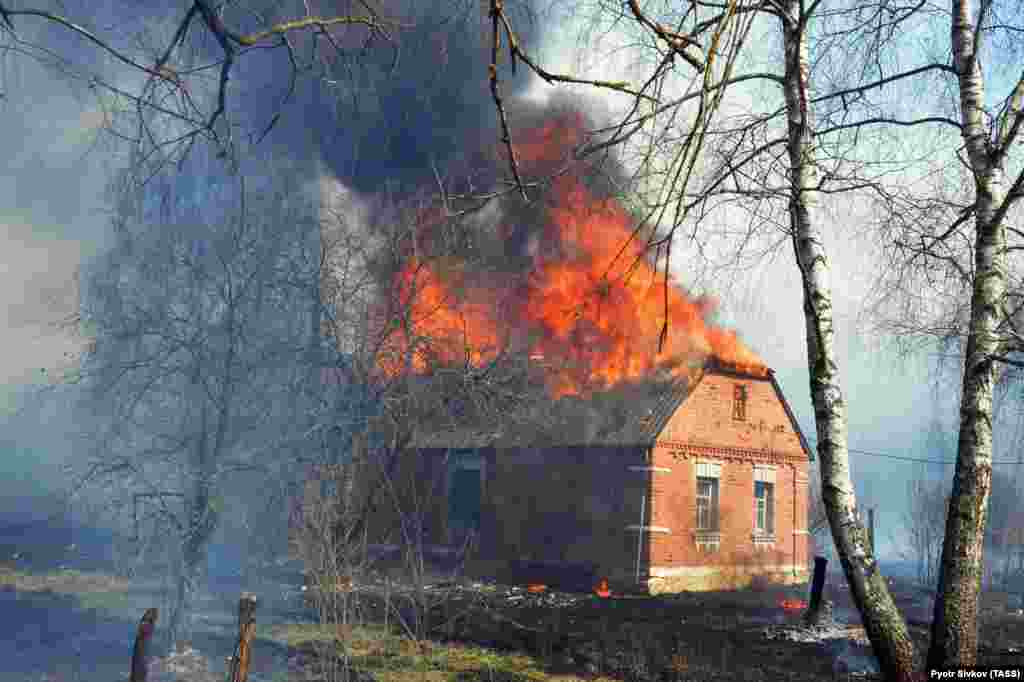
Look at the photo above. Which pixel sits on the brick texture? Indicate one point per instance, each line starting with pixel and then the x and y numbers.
pixel 704 429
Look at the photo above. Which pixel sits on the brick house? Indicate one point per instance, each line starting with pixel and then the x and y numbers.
pixel 699 485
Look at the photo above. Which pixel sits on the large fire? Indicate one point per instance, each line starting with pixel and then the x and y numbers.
pixel 592 306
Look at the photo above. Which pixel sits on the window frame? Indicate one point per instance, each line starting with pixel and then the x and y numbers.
pixel 764 503
pixel 740 394
pixel 708 504
pixel 463 459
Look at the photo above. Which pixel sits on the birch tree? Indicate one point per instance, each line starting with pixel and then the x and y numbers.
pixel 953 276
pixel 884 625
pixel 987 143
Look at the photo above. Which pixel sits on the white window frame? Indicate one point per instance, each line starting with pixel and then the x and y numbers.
pixel 707 469
pixel 704 469
pixel 764 526
pixel 706 506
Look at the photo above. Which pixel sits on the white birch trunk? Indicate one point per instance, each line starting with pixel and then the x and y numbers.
pixel 883 623
pixel 955 623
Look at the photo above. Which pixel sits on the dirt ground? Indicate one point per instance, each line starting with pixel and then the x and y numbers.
pixel 745 635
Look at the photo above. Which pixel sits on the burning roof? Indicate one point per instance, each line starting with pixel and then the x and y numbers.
pixel 572 283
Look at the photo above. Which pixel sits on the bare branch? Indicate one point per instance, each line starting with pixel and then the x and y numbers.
pixel 679 43
pixel 497 16
pixel 945 68
pixel 298 24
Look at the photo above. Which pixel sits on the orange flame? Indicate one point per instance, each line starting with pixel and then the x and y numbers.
pixel 536 588
pixel 594 303
pixel 793 604
pixel 440 328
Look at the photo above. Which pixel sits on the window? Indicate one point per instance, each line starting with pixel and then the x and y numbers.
pixel 707 504
pixel 465 490
pixel 739 403
pixel 764 508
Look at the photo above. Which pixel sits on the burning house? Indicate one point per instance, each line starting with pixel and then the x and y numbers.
pixel 610 445
pixel 680 485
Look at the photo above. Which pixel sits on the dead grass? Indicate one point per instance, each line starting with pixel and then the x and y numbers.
pixel 65 581
pixel 391 657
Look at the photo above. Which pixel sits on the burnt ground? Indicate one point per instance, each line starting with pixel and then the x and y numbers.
pixel 699 636
pixel 1001 627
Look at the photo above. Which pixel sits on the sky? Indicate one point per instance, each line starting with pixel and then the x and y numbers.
pixel 52 221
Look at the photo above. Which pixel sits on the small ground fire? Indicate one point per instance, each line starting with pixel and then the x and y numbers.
pixel 793 605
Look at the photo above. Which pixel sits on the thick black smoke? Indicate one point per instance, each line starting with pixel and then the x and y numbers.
pixel 390 112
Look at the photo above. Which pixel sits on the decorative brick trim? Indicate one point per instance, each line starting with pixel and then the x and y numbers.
pixel 687 450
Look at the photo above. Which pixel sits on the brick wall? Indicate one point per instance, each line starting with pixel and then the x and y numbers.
pixel 704 429
pixel 706 418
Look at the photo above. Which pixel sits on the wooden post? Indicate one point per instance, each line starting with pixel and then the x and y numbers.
pixel 142 635
pixel 387 606
pixel 246 629
pixel 813 614
pixel 871 529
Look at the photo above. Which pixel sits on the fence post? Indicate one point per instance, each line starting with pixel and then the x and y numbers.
pixel 813 615
pixel 246 629
pixel 142 635
pixel 871 529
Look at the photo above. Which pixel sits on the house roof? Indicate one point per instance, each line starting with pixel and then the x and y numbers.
pixel 632 414
pixel 648 418
pixel 628 415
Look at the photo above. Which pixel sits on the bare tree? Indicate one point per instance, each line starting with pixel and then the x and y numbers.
pixel 197 357
pixel 954 277
pixel 394 380
pixel 163 76
pixel 1003 537
pixel 924 521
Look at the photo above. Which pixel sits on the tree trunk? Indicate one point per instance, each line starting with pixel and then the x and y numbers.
pixel 883 623
pixel 955 622
pixel 201 523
